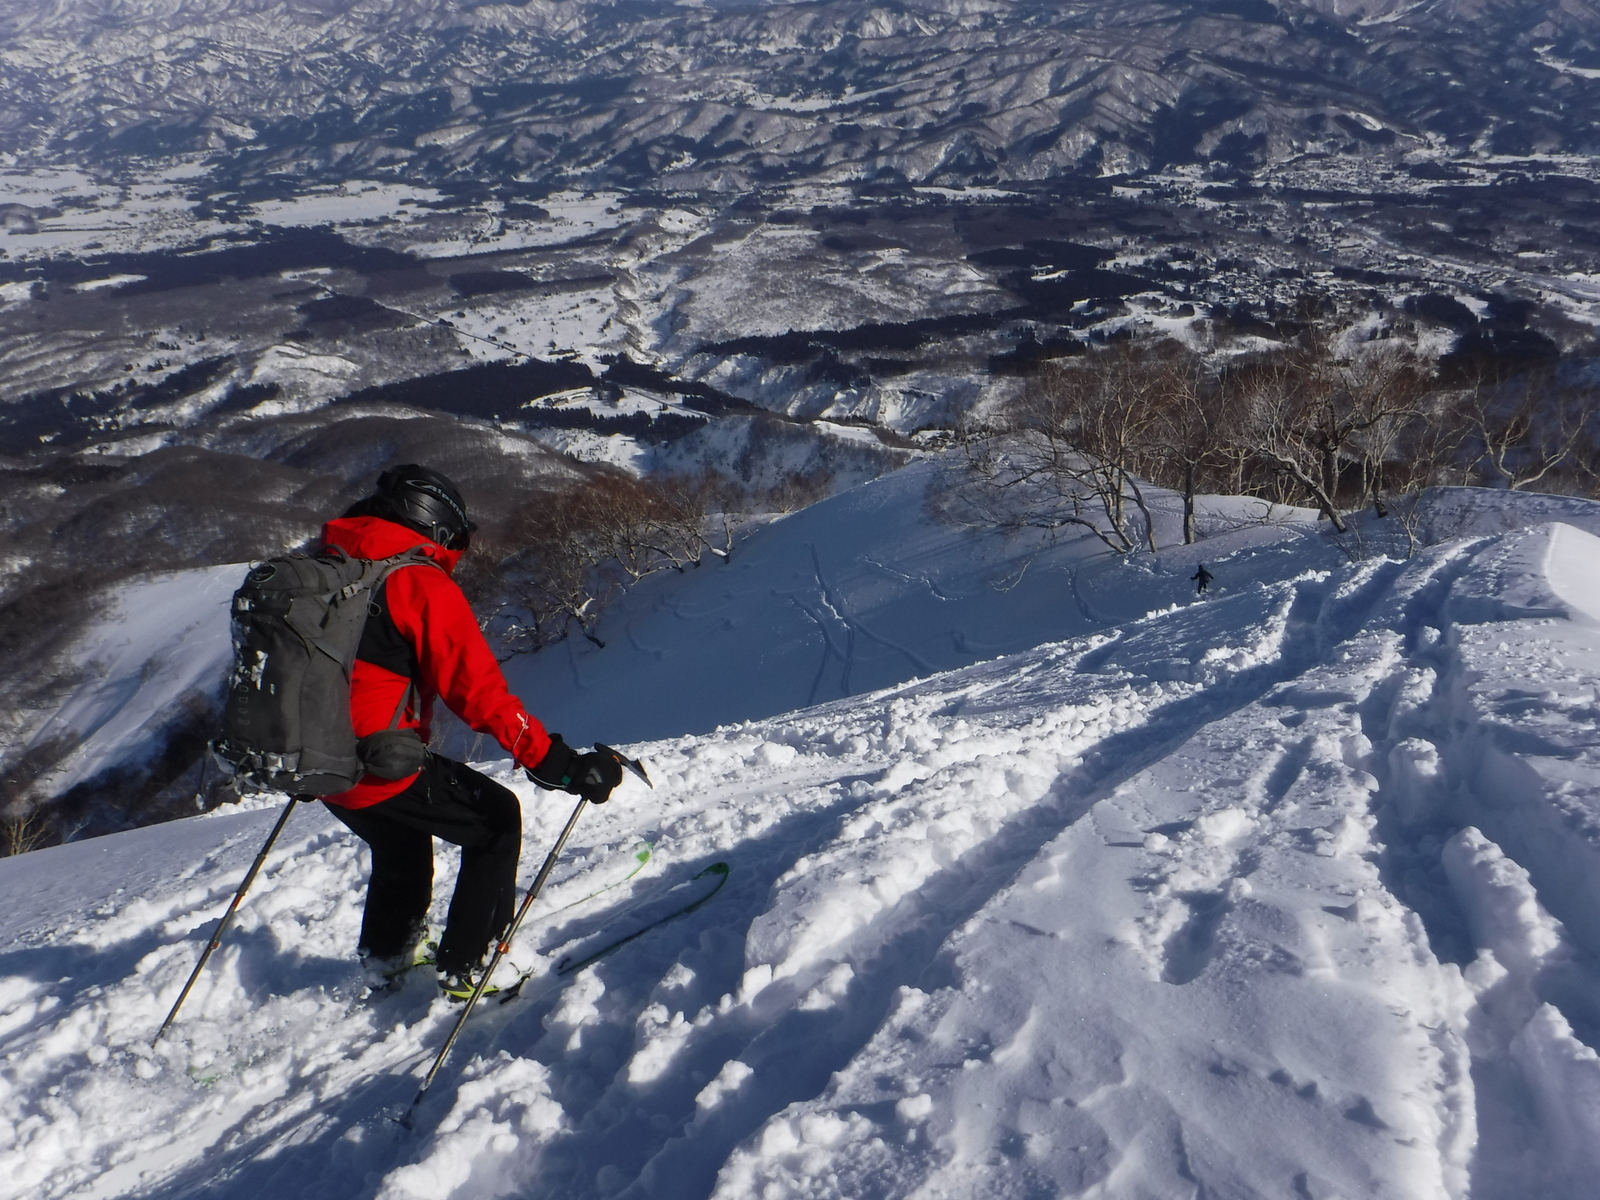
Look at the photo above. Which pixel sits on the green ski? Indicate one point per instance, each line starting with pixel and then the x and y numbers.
pixel 641 858
pixel 679 901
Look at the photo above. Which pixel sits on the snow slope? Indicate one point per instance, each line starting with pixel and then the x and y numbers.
pixel 163 639
pixel 865 590
pixel 1289 892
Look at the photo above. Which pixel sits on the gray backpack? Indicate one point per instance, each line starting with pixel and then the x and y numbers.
pixel 297 624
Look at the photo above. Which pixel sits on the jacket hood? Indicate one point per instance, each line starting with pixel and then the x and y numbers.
pixel 373 537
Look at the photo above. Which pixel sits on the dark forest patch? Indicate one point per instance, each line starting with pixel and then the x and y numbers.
pixel 495 391
pixel 484 283
pixel 1441 309
pixel 1043 254
pixel 1030 352
pixel 658 427
pixel 255 255
pixel 62 417
pixel 339 316
pixel 1496 352
pixel 800 346
pixel 1053 297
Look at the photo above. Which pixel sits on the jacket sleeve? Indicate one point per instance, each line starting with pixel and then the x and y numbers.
pixel 431 613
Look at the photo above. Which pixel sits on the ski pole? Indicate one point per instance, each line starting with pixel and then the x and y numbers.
pixel 500 950
pixel 227 917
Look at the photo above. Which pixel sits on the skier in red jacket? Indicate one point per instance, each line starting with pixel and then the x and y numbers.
pixel 422 642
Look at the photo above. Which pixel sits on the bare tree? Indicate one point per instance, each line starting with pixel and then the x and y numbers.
pixel 716 508
pixel 1312 424
pixel 547 569
pixel 565 555
pixel 1310 415
pixel 1197 430
pixel 1414 454
pixel 27 820
pixel 1079 445
pixel 796 490
pixel 27 832
pixel 1521 430
pixel 637 528
pixel 1074 445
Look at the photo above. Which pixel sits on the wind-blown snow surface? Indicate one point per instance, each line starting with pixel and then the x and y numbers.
pixel 1294 891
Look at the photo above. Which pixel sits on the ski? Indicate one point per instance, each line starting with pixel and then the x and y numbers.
pixel 677 902
pixel 641 859
pixel 718 875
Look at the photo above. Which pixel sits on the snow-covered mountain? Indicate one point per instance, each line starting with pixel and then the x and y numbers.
pixel 1287 891
pixel 738 95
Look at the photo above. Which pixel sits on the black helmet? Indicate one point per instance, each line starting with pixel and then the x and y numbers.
pixel 426 501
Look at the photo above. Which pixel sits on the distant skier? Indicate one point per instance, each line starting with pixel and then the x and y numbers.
pixel 1202 580
pixel 422 642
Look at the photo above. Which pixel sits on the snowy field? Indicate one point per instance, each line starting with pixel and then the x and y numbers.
pixel 1293 891
pixel 152 209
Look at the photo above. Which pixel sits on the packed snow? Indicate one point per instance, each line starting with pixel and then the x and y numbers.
pixel 1288 891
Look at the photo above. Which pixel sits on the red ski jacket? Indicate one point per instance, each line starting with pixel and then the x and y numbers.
pixel 424 632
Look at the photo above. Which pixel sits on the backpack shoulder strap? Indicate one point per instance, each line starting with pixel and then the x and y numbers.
pixel 415 557
pixel 378 569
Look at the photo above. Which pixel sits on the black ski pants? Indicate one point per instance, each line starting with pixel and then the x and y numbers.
pixel 453 802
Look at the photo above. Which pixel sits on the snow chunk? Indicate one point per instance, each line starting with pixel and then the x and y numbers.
pixel 728 1081
pixel 914 1108
pixel 1500 903
pixel 1565 1078
pixel 495 1124
pixel 1224 826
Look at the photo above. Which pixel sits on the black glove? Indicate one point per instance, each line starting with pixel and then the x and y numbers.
pixel 555 770
pixel 590 775
pixel 596 773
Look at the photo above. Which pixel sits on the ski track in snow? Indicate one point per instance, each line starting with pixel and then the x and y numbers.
pixel 834 606
pixel 1291 892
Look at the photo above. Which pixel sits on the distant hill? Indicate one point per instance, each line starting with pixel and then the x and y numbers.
pixel 736 96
